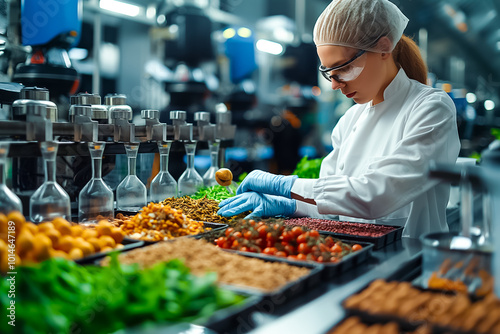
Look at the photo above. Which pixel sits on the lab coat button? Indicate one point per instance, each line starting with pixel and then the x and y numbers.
pixel 341 167
pixel 354 128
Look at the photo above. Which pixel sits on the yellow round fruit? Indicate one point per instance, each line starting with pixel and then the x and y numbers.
pixel 117 234
pixel 76 230
pixel 45 226
pixel 64 229
pixel 75 253
pixel 86 247
pixel 41 247
pixel 54 236
pixel 66 243
pixel 95 243
pixel 104 228
pixel 88 234
pixel 24 242
pixel 118 246
pixel 59 253
pixel 107 241
pixel 106 249
pixel 32 227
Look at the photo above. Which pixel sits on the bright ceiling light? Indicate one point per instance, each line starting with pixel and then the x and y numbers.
pixel 489 105
pixel 120 7
pixel 471 97
pixel 269 47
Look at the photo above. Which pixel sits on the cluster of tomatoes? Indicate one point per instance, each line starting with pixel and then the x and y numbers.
pixel 275 238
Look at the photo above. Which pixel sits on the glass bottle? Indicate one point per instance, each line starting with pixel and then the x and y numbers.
pixel 96 198
pixel 163 185
pixel 8 200
pixel 49 200
pixel 190 181
pixel 131 193
pixel 209 177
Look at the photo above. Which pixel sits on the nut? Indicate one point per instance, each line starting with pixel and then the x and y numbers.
pixel 224 177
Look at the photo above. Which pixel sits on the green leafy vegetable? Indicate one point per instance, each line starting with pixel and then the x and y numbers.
pixel 496 133
pixel 217 193
pixel 59 296
pixel 308 169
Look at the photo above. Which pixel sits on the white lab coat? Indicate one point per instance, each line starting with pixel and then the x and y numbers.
pixel 377 171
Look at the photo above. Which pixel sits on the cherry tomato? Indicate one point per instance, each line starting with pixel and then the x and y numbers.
pixel 334 259
pixel 301 257
pixel 296 231
pixel 301 238
pixel 262 231
pixel 248 235
pixel 303 249
pixel 251 222
pixel 324 248
pixel 269 250
pixel 281 254
pixel 320 259
pixel 329 241
pixel 226 245
pixel 270 237
pixel 260 242
pixel 261 223
pixel 356 247
pixel 286 236
pixel 235 244
pixel 314 233
pixel 292 257
pixel 290 249
pixel 336 249
pixel 237 234
pixel 220 241
pixel 229 231
pixel 245 249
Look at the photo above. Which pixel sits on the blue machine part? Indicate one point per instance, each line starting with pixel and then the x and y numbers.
pixel 240 49
pixel 46 21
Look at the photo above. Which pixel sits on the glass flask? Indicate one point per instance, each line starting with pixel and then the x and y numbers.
pixel 190 181
pixel 50 200
pixel 96 198
pixel 131 193
pixel 163 185
pixel 209 177
pixel 8 200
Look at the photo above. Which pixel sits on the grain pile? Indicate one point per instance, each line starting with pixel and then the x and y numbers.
pixel 201 257
pixel 202 209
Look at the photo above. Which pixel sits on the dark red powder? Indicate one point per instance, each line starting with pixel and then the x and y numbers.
pixel 361 229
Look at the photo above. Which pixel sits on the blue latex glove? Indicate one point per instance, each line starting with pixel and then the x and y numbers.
pixel 267 183
pixel 261 205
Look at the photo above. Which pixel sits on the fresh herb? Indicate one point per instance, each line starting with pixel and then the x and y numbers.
pixel 496 133
pixel 217 193
pixel 59 296
pixel 308 169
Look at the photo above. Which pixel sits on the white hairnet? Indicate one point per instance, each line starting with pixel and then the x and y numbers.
pixel 359 24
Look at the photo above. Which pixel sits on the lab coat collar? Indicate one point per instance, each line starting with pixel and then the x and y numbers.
pixel 395 90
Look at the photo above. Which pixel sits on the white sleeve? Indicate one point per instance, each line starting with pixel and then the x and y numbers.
pixel 397 178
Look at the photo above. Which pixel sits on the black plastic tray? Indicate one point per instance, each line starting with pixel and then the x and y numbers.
pixel 128 244
pixel 290 289
pixel 378 242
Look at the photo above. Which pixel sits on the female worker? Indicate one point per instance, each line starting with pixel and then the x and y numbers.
pixel 382 146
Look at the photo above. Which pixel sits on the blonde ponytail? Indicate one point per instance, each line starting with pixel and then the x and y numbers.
pixel 407 55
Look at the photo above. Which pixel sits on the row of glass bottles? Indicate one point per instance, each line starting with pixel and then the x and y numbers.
pixel 96 198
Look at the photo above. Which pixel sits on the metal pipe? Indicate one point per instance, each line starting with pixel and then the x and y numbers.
pixel 96 74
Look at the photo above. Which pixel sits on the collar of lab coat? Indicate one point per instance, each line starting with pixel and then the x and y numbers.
pixel 399 84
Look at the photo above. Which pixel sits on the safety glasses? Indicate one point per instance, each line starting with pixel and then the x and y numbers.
pixel 348 71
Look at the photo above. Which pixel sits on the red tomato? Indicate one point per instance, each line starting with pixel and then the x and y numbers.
pixel 356 247
pixel 301 238
pixel 334 259
pixel 270 237
pixel 314 233
pixel 303 249
pixel 329 241
pixel 301 257
pixel 235 244
pixel 289 249
pixel 248 235
pixel 296 231
pixel 237 234
pixel 229 231
pixel 269 250
pixel 286 236
pixel 324 248
pixel 262 231
pixel 320 259
pixel 251 222
pixel 220 241
pixel 281 254
pixel 244 249
pixel 336 249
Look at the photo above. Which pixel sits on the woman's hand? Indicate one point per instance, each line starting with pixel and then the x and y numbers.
pixel 267 183
pixel 261 205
